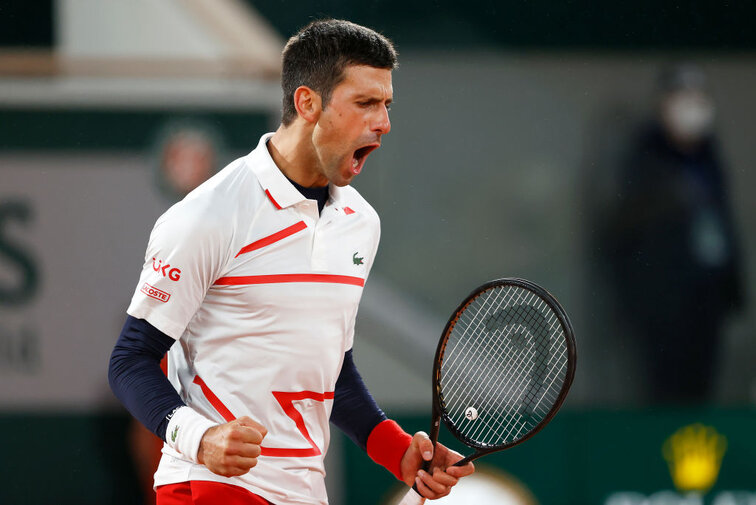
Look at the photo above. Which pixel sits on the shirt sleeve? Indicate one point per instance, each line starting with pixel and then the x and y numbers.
pixel 187 251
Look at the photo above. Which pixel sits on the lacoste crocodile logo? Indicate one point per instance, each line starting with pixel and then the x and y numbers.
pixel 174 433
pixel 357 260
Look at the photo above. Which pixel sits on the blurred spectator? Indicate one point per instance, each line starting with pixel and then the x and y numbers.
pixel 671 243
pixel 187 153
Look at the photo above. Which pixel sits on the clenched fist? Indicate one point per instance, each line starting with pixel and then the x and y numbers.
pixel 231 449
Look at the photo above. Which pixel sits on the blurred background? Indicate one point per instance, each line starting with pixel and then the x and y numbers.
pixel 603 150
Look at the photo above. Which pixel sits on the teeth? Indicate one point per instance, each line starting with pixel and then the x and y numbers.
pixel 355 162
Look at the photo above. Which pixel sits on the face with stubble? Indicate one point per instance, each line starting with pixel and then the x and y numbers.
pixel 351 124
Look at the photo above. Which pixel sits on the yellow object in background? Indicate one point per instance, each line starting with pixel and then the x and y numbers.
pixel 694 454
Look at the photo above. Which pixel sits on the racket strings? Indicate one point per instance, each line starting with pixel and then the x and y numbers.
pixel 504 365
pixel 533 408
pixel 530 411
pixel 459 376
pixel 454 377
pixel 520 382
pixel 551 398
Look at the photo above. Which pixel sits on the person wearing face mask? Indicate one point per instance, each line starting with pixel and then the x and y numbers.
pixel 673 244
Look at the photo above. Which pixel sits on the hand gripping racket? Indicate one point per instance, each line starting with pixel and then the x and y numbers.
pixel 503 367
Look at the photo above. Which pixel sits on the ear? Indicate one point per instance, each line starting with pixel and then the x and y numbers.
pixel 308 103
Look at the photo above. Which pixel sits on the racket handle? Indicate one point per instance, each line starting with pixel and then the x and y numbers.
pixel 412 498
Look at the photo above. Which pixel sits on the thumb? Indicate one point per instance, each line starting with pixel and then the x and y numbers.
pixel 424 445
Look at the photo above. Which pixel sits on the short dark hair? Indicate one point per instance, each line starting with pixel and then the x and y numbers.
pixel 319 53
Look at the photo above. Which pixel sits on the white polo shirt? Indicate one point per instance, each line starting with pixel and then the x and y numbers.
pixel 262 294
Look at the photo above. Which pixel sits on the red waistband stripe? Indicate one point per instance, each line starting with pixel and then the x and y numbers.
pixel 270 239
pixel 282 278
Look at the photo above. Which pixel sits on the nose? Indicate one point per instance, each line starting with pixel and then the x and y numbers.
pixel 382 123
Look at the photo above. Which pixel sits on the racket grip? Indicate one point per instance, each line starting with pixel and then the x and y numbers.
pixel 412 498
pixel 426 465
pixel 426 468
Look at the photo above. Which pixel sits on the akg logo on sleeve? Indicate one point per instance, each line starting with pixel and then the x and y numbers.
pixel 173 274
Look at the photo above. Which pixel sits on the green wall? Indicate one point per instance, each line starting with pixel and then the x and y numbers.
pixel 579 459
pixel 583 457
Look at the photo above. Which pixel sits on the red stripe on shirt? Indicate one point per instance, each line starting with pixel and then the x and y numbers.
pixel 286 400
pixel 275 203
pixel 270 239
pixel 214 400
pixel 280 278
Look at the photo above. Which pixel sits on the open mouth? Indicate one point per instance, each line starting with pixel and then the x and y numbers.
pixel 360 155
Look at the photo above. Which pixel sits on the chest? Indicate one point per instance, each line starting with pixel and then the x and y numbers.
pixel 298 241
pixel 293 261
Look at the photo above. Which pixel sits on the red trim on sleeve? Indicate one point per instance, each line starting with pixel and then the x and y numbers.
pixel 270 239
pixel 386 445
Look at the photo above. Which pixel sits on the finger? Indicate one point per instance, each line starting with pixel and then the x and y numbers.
pixel 424 490
pixel 428 488
pixel 461 471
pixel 444 478
pixel 244 449
pixel 240 464
pixel 250 436
pixel 446 457
pixel 245 434
pixel 231 471
pixel 424 445
pixel 248 421
pixel 233 466
pixel 439 488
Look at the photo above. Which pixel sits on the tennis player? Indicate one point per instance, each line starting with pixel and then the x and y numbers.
pixel 256 277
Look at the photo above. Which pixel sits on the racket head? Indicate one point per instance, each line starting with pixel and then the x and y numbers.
pixel 511 344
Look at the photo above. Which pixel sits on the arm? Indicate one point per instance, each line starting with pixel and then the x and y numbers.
pixel 355 411
pixel 137 380
pixel 357 414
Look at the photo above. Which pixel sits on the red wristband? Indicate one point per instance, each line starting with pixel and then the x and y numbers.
pixel 387 444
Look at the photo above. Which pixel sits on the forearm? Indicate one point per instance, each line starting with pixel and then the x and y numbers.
pixel 357 414
pixel 136 378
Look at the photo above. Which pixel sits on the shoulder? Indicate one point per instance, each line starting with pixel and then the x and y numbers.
pixel 352 199
pixel 215 208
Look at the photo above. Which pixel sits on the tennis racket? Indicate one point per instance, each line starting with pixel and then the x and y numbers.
pixel 503 367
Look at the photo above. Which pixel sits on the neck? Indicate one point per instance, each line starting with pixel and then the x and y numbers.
pixel 292 151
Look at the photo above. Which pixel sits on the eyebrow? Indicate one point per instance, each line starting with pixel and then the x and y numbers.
pixel 372 99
